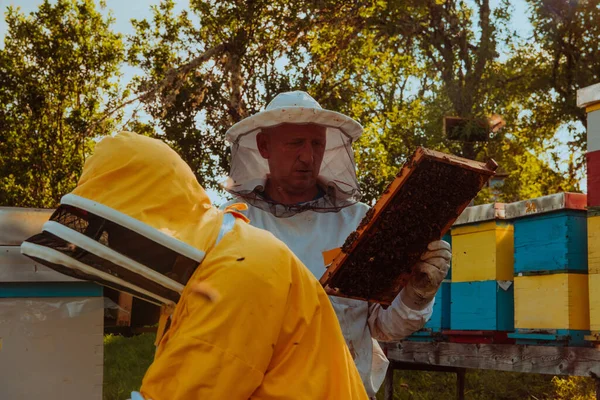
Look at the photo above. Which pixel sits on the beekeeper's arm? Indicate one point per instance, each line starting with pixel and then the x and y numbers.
pixel 220 350
pixel 412 308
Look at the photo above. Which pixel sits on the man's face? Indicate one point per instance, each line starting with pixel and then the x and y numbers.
pixel 294 154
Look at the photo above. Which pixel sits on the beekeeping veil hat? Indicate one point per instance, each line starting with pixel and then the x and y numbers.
pixel 337 176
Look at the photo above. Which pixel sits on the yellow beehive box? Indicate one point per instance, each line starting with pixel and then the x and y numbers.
pixel 482 245
pixel 594 291
pixel 556 301
pixel 593 232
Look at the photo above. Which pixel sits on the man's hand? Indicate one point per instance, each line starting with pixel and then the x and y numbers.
pixel 427 275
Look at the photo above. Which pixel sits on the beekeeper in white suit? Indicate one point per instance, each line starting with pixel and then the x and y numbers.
pixel 293 165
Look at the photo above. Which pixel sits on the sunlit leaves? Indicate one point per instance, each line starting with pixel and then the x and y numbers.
pixel 59 72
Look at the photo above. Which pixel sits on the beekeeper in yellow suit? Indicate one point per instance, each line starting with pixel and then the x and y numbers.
pixel 267 332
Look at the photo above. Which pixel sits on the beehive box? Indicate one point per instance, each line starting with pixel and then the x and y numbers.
pixel 418 207
pixel 482 245
pixel 593 178
pixel 594 293
pixel 482 306
pixel 552 309
pixel 556 301
pixel 593 240
pixel 550 234
pixel 593 225
pixel 51 325
pixel 440 317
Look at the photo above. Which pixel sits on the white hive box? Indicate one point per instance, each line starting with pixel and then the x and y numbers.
pixel 51 325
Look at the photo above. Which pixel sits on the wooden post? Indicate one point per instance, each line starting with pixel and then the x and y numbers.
pixel 597 384
pixel 389 383
pixel 460 383
pixel 125 306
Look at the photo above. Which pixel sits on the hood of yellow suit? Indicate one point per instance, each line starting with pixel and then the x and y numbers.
pixel 147 180
pixel 138 221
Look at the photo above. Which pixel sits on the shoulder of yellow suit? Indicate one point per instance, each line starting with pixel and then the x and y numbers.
pixel 263 259
pixel 246 238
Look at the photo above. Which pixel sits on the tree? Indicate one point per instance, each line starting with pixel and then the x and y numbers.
pixel 564 57
pixel 397 66
pixel 222 69
pixel 448 68
pixel 58 74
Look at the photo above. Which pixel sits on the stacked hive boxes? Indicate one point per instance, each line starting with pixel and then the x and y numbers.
pixel 551 299
pixel 544 242
pixel 482 306
pixel 589 98
pixel 594 271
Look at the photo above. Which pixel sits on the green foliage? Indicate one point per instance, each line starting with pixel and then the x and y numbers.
pixel 400 78
pixel 574 388
pixel 235 46
pixel 547 70
pixel 397 66
pixel 490 385
pixel 125 363
pixel 566 58
pixel 57 74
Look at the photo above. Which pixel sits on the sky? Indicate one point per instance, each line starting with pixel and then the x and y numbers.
pixel 125 10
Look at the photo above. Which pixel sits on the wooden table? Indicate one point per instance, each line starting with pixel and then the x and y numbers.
pixel 458 357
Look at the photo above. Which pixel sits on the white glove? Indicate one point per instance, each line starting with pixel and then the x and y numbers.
pixel 427 275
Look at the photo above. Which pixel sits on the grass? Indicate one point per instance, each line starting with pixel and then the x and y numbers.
pixel 127 359
pixel 490 385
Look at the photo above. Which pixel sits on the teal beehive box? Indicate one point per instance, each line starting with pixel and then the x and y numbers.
pixel 550 234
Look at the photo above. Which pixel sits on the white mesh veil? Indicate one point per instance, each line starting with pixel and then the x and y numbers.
pixel 337 176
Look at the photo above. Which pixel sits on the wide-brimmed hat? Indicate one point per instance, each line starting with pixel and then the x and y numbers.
pixel 249 170
pixel 294 108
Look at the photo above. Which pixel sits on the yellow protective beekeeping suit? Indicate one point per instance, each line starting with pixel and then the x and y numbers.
pixel 272 334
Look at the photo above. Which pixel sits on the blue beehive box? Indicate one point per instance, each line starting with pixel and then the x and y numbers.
pixel 440 318
pixel 550 234
pixel 554 337
pixel 482 306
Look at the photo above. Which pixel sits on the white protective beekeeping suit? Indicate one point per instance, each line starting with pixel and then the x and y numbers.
pixel 323 224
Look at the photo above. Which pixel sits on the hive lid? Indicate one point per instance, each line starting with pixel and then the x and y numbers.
pixel 17 224
pixel 481 213
pixel 588 95
pixel 545 204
